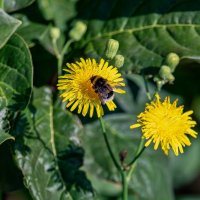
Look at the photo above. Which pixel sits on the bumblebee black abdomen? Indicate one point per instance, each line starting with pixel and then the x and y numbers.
pixel 110 94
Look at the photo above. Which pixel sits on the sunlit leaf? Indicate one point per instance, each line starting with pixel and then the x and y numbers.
pixel 13 5
pixel 146 30
pixel 8 26
pixel 59 11
pixel 4 137
pixel 48 150
pixel 15 74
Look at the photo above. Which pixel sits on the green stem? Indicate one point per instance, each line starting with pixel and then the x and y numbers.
pixel 60 60
pixel 133 163
pixel 60 55
pixel 108 145
pixel 125 186
pixel 122 172
pixel 147 88
pixel 55 48
pixel 2 4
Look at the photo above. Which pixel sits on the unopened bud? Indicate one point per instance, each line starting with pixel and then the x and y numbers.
pixel 111 48
pixel 172 61
pixel 55 33
pixel 118 61
pixel 165 72
pixel 78 31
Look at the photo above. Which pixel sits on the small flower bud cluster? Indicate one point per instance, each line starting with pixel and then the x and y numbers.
pixel 165 73
pixel 112 47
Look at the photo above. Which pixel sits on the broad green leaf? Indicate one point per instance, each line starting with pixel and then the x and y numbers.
pixel 59 11
pixel 152 171
pixel 8 26
pixel 186 166
pixel 37 155
pixel 4 137
pixel 146 30
pixel 15 74
pixel 13 5
pixel 30 31
pixel 4 127
pixel 105 187
pixel 48 150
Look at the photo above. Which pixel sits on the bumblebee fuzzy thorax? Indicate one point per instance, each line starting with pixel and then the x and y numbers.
pixel 102 88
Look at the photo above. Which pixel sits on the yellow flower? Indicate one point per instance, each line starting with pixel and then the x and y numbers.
pixel 78 86
pixel 164 123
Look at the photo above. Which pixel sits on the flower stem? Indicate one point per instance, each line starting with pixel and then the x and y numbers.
pixel 108 145
pixel 123 173
pixel 125 186
pixel 133 163
pixel 147 88
pixel 60 60
pixel 60 55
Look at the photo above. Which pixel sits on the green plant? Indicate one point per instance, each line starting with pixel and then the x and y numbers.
pixel 48 152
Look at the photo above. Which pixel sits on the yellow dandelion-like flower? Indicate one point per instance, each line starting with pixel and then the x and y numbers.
pixel 88 84
pixel 164 123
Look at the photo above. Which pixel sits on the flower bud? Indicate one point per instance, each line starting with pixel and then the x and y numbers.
pixel 55 33
pixel 172 61
pixel 118 61
pixel 78 31
pixel 165 72
pixel 111 48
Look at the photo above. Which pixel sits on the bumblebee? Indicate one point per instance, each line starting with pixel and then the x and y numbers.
pixel 102 88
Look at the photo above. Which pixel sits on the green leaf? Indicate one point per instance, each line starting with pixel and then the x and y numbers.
pixel 29 30
pixel 59 11
pixel 35 149
pixel 186 166
pixel 16 73
pixel 4 137
pixel 146 30
pixel 48 149
pixel 4 126
pixel 8 26
pixel 13 5
pixel 151 173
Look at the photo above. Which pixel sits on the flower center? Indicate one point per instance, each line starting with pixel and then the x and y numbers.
pixel 168 122
pixel 87 91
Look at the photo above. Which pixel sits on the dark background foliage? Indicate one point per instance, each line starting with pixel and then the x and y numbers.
pixel 46 152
